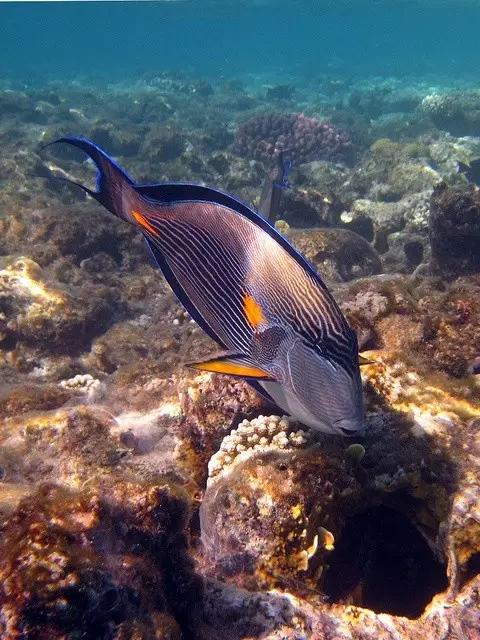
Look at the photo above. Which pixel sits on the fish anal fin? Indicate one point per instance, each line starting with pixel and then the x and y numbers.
pixel 231 364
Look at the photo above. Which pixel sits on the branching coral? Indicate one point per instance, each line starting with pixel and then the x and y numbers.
pixel 303 138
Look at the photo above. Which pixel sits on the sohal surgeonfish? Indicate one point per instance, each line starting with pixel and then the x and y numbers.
pixel 271 314
pixel 275 183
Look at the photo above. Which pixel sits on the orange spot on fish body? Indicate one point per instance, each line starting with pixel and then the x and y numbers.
pixel 253 311
pixel 143 222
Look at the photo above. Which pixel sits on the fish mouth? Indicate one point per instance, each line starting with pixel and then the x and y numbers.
pixel 349 428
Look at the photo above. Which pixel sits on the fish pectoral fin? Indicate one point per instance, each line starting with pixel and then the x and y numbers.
pixel 362 360
pixel 232 364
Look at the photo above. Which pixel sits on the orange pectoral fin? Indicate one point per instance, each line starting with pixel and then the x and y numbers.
pixel 231 367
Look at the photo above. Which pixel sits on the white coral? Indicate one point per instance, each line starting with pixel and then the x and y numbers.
pixel 265 433
pixel 433 102
pixel 85 383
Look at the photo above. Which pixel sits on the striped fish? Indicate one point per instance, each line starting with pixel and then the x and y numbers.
pixel 274 319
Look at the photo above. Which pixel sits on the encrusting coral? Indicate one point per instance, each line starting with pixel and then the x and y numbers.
pixel 259 435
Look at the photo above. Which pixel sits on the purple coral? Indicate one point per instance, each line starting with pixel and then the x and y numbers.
pixel 305 139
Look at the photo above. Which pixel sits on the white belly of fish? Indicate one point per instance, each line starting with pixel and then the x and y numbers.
pixel 289 402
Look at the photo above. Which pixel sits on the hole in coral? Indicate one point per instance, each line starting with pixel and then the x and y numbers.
pixel 363 226
pixel 381 562
pixel 414 252
pixel 472 568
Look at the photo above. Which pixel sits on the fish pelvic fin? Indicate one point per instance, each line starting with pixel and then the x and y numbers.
pixel 112 181
pixel 231 364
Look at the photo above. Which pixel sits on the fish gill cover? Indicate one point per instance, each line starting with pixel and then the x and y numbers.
pixel 140 498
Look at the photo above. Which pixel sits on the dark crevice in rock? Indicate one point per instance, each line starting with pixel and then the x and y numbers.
pixel 364 227
pixel 472 568
pixel 414 252
pixel 381 243
pixel 381 562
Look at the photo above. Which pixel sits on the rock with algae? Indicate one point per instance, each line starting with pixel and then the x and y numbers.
pixel 43 315
pixel 268 503
pixel 455 229
pixel 338 254
pixel 75 563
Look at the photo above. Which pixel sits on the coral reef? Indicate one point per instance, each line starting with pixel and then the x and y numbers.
pixel 303 138
pixel 142 500
pixel 457 112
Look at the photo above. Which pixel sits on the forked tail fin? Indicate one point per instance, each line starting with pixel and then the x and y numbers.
pixel 112 181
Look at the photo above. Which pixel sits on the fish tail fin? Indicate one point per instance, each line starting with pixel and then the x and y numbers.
pixel 112 182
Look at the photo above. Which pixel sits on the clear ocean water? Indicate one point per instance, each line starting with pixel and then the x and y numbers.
pixel 299 37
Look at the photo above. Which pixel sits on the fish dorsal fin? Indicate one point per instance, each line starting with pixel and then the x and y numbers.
pixel 232 364
pixel 184 191
pixel 362 360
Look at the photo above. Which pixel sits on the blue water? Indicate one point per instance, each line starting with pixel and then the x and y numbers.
pixel 113 39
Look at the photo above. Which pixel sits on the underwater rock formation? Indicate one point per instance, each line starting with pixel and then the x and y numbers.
pixel 303 138
pixel 397 230
pixel 35 313
pixel 454 228
pixel 338 254
pixel 457 112
pixel 268 501
pixel 75 562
